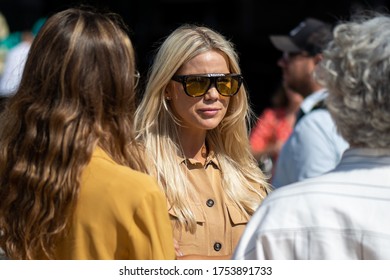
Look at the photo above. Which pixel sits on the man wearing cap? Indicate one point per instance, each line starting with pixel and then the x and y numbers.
pixel 314 147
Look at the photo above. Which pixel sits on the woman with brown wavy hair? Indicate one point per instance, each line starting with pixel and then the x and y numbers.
pixel 70 186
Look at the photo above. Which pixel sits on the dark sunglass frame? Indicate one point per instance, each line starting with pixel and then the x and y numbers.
pixel 213 78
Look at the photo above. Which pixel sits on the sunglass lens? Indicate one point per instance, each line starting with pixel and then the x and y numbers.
pixel 197 86
pixel 228 86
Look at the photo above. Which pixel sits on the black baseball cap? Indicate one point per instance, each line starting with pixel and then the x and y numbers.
pixel 311 35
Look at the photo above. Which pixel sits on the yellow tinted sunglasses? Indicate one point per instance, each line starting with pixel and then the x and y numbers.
pixel 198 85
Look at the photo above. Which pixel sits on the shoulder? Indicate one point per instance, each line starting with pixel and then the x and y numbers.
pixel 263 190
pixel 104 176
pixel 295 199
pixel 319 118
pixel 317 124
pixel 21 49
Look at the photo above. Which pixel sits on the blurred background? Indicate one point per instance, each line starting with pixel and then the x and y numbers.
pixel 247 23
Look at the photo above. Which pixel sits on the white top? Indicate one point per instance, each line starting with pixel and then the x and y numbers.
pixel 313 148
pixel 343 214
pixel 13 68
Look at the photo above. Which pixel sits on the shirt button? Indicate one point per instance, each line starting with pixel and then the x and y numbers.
pixel 210 202
pixel 217 246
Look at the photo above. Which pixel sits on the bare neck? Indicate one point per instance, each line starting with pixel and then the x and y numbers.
pixel 193 144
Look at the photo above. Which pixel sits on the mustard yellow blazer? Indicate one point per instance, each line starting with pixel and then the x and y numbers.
pixel 120 214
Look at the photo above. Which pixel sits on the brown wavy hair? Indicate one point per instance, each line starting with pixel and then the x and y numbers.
pixel 77 92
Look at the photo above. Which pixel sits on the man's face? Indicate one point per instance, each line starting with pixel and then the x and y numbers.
pixel 297 71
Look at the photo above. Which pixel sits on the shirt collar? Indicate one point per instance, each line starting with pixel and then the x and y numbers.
pixel 211 159
pixel 310 101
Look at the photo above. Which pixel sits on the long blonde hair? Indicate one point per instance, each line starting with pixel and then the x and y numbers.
pixel 77 92
pixel 157 128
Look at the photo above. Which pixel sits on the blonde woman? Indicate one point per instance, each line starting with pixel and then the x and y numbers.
pixel 193 120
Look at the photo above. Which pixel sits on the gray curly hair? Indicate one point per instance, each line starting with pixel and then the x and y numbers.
pixel 356 71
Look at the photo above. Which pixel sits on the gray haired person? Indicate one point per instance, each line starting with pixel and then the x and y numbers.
pixel 342 214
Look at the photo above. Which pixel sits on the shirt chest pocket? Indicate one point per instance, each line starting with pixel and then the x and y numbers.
pixel 238 221
pixel 187 240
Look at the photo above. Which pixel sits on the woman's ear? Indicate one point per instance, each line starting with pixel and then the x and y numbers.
pixel 167 92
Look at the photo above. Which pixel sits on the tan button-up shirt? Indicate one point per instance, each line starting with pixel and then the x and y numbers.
pixel 219 222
